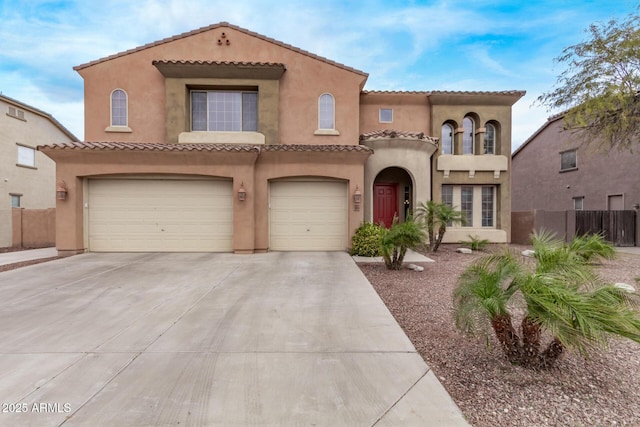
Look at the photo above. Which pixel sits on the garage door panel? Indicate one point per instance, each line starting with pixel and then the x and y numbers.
pixel 160 215
pixel 308 215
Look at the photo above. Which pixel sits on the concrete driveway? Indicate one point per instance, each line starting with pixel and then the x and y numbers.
pixel 273 339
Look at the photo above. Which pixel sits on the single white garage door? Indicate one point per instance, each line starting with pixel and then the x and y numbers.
pixel 308 216
pixel 160 215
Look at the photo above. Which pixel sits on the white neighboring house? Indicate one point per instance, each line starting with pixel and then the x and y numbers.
pixel 27 176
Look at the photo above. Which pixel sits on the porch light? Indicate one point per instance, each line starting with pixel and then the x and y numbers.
pixel 242 193
pixel 357 198
pixel 61 191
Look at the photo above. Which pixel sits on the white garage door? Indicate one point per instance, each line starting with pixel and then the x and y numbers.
pixel 308 216
pixel 164 215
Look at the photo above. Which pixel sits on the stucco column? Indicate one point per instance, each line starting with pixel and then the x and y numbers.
pixel 69 216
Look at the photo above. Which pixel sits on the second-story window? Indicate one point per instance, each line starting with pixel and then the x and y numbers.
pixel 467 136
pixel 386 115
pixel 447 139
pixel 490 139
pixel 119 108
pixel 326 111
pixel 568 160
pixel 219 111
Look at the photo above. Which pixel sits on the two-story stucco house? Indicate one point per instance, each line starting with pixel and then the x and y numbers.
pixel 221 139
pixel 27 177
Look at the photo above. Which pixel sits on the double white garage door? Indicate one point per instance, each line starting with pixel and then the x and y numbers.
pixel 174 215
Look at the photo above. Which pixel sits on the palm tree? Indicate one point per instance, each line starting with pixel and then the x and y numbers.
pixel 396 240
pixel 438 215
pixel 562 296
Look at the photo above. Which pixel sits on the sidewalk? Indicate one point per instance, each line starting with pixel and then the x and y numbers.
pixel 28 255
pixel 635 250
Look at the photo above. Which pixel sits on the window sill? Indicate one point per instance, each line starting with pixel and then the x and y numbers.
pixel 121 129
pixel 326 132
pixel 568 170
pixel 26 166
pixel 16 117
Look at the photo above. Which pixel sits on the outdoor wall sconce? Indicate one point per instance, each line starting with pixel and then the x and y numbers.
pixel 61 191
pixel 636 206
pixel 242 193
pixel 357 198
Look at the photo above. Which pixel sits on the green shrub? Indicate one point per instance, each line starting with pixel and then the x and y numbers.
pixel 366 240
pixel 475 243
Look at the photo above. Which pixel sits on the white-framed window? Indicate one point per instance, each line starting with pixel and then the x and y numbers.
pixel 568 160
pixel 326 111
pixel 578 203
pixel 447 139
pixel 15 200
pixel 469 128
pixel 26 156
pixel 476 202
pixel 490 139
pixel 221 111
pixel 119 113
pixel 466 205
pixel 386 115
pixel 488 209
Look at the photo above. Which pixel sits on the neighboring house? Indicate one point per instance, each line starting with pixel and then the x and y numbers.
pixel 27 177
pixel 553 171
pixel 221 139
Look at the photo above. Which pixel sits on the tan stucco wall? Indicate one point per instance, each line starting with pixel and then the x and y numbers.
pixel 250 225
pixel 304 80
pixel 484 113
pixel 410 155
pixel 411 112
pixel 36 185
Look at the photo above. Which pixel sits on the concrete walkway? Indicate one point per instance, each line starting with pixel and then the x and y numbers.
pixel 411 256
pixel 275 339
pixel 28 255
pixel 635 250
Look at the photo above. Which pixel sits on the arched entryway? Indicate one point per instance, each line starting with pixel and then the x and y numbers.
pixel 392 195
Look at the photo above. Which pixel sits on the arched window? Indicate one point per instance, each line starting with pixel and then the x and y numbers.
pixel 119 108
pixel 490 139
pixel 467 136
pixel 326 111
pixel 447 139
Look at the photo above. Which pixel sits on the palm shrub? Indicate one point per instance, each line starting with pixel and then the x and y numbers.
pixel 437 216
pixel 366 240
pixel 562 296
pixel 397 239
pixel 475 243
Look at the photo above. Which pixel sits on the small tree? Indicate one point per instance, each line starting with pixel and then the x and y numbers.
pixel 397 239
pixel 599 88
pixel 437 215
pixel 562 296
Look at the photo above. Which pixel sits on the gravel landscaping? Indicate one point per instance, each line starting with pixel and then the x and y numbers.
pixel 601 391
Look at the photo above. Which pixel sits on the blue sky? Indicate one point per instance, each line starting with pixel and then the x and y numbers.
pixel 403 45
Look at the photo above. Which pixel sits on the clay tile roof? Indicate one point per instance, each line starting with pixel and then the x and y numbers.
pixel 212 27
pixel 395 92
pixel 241 63
pixel 323 148
pixel 391 133
pixel 147 146
pixel 503 92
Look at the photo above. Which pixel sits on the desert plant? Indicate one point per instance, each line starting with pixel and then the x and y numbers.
pixel 366 240
pixel 437 216
pixel 475 243
pixel 562 296
pixel 397 239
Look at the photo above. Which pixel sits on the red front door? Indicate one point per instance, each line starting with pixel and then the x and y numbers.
pixel 385 203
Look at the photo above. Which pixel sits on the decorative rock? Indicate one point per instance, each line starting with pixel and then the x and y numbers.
pixel 625 287
pixel 415 267
pixel 528 253
pixel 464 251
